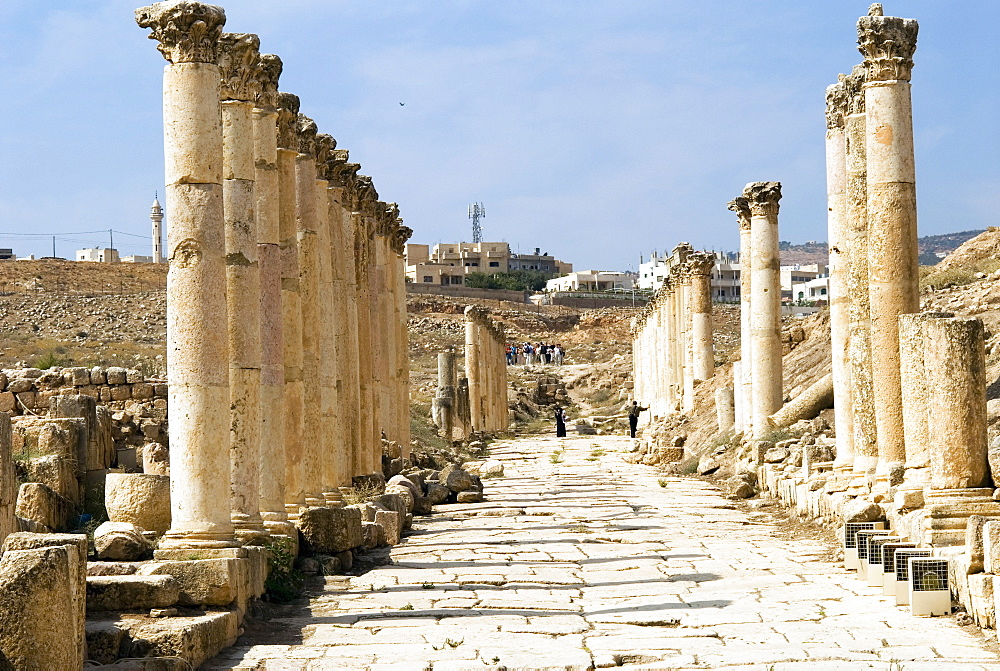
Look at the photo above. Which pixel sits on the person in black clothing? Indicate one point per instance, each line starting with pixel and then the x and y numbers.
pixel 560 423
pixel 633 417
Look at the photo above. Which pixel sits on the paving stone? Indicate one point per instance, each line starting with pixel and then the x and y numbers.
pixel 604 569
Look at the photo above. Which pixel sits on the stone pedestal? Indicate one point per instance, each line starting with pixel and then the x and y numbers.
pixel 196 296
pixel 444 399
pixel 724 409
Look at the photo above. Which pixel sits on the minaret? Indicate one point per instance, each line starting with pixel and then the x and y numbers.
pixel 156 216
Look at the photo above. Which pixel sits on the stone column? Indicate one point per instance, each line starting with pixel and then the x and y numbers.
pixel 700 266
pixel 840 300
pixel 330 459
pixel 913 376
pixel 444 399
pixel 367 336
pixel 888 44
pixel 472 368
pixel 859 341
pixel 687 351
pixel 188 33
pixel 403 233
pixel 738 410
pixel 239 64
pixel 725 412
pixel 307 225
pixel 668 343
pixel 765 297
pixel 348 354
pixel 744 385
pixel 291 304
pixel 272 373
pixel 960 482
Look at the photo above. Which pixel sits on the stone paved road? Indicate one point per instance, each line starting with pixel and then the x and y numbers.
pixel 585 561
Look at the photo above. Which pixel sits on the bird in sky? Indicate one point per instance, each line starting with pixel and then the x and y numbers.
pixel 401 104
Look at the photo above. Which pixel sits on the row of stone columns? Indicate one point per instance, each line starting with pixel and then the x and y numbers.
pixel 287 349
pixel 486 371
pixel 672 346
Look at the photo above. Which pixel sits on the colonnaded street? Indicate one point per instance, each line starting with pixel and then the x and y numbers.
pixel 578 560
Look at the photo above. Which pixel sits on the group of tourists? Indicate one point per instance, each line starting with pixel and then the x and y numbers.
pixel 535 353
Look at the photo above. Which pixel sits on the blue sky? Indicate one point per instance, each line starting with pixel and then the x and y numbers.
pixel 594 130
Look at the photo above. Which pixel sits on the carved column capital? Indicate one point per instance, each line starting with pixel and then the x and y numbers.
pixel 288 114
pixel 741 207
pixel 887 43
pixel 324 144
pixel 854 90
pixel 306 130
pixel 836 104
pixel 187 31
pixel 239 66
pixel 267 76
pixel 403 233
pixel 701 263
pixel 763 198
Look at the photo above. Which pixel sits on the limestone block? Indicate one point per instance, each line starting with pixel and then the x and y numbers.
pixel 76 376
pixel 20 385
pixel 860 510
pixel 98 376
pixel 390 520
pixel 142 391
pixel 58 473
pixel 367 511
pixel 404 492
pixel 131 592
pixel 436 493
pixel 117 375
pixel 202 582
pixel 982 597
pixel 104 641
pixel 155 460
pixel 456 479
pixel 470 496
pixel 775 455
pixel 405 482
pixel 707 464
pixel 41 626
pixel 41 504
pixel 194 639
pixel 142 499
pixel 133 376
pixel 330 530
pixel 491 468
pixel 120 541
pixel 99 568
pixel 991 546
pixel 373 536
pixel 391 501
pixel 974 554
pixel 422 506
pixel 7 402
pixel 121 392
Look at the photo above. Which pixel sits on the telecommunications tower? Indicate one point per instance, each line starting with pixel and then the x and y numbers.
pixel 476 213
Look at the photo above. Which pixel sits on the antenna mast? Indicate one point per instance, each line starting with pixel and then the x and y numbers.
pixel 476 213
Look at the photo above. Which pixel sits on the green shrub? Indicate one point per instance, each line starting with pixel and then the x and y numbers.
pixel 284 583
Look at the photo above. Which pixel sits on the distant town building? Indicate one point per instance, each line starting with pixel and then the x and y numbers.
pixel 726 276
pixel 448 264
pixel 591 280
pixel 7 255
pixel 815 290
pixel 136 258
pixel 98 254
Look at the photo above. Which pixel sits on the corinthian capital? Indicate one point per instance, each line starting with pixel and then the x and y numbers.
pixel 239 66
pixel 403 233
pixel 763 197
pixel 854 90
pixel 288 115
pixel 187 32
pixel 836 104
pixel 306 130
pixel 701 263
pixel 323 146
pixel 267 77
pixel 742 209
pixel 887 43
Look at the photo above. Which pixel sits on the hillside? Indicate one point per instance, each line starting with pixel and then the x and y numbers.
pixel 929 246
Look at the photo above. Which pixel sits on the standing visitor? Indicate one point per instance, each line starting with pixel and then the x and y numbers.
pixel 560 423
pixel 633 417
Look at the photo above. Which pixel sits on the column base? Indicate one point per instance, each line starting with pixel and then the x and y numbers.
pixel 315 501
pixel 198 540
pixel 947 512
pixel 333 499
pixel 292 509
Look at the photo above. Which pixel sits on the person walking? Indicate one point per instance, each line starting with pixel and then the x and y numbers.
pixel 560 423
pixel 633 417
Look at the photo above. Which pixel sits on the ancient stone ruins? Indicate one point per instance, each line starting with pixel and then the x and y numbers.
pixel 908 388
pixel 288 395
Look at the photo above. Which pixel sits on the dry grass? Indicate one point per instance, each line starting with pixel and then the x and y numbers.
pixel 930 276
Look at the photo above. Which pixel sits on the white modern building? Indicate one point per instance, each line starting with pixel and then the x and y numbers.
pixel 817 289
pixel 98 254
pixel 591 280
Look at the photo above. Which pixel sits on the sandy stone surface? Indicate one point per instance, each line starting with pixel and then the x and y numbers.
pixel 579 560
